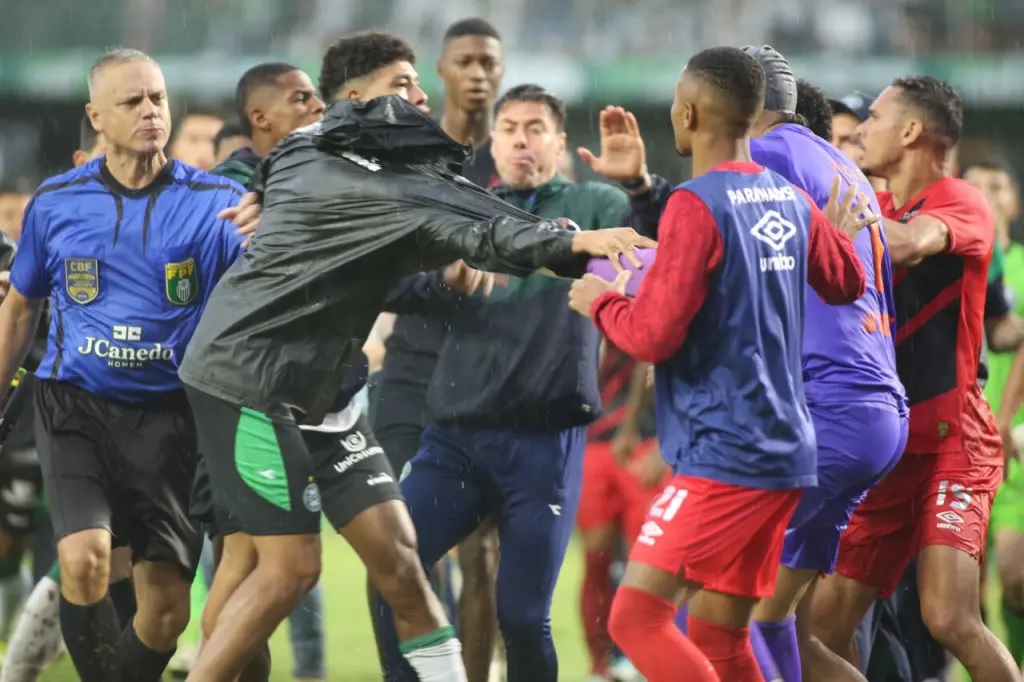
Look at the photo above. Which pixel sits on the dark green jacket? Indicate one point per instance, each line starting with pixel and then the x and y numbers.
pixel 520 357
pixel 240 166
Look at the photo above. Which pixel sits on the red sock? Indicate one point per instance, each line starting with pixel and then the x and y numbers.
pixel 642 625
pixel 728 650
pixel 595 607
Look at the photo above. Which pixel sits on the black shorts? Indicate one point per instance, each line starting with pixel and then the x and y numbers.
pixel 350 475
pixel 353 472
pixel 124 467
pixel 260 471
pixel 21 489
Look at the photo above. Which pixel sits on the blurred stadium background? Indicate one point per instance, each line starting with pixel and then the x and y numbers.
pixel 591 52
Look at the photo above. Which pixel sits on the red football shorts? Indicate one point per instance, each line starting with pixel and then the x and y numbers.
pixel 724 537
pixel 612 495
pixel 925 500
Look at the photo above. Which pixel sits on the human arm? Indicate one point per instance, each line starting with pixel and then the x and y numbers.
pixel 639 398
pixel 19 318
pixel 443 292
pixel 653 326
pixel 623 159
pixel 1004 331
pixel 913 241
pixel 374 347
pixel 956 220
pixel 245 215
pixel 834 269
pixel 521 246
pixel 1009 404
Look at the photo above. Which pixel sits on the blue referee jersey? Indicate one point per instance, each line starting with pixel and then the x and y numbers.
pixel 127 271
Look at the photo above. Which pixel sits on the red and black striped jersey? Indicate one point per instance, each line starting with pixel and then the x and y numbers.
pixel 940 306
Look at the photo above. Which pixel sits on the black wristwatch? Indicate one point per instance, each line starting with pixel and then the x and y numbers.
pixel 638 183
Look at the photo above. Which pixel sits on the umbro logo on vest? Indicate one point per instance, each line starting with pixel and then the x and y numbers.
pixel 775 231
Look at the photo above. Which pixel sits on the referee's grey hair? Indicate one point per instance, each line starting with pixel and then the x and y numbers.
pixel 117 55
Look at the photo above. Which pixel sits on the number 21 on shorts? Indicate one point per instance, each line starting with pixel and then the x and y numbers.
pixel 667 505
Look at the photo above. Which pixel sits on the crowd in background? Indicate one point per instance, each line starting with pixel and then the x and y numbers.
pixel 596 29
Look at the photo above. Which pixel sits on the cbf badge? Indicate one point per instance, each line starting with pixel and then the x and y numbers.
pixel 182 282
pixel 82 279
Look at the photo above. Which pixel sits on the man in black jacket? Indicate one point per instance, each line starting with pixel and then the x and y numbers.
pixel 471 66
pixel 351 205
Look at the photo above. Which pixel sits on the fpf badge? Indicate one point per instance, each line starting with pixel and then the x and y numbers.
pixel 82 279
pixel 182 282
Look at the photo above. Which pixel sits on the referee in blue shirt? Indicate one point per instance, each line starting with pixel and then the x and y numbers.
pixel 127 248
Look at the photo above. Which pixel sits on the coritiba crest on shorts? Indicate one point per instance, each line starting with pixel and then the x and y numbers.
pixel 181 281
pixel 82 279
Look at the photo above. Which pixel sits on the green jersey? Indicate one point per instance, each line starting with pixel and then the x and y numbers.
pixel 1010 265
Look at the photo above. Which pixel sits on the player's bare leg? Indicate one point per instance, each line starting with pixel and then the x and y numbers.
pixel 287 567
pixel 384 538
pixel 837 608
pixel 162 593
pixel 948 581
pixel 242 562
pixel 642 624
pixel 478 612
pixel 596 594
pixel 818 662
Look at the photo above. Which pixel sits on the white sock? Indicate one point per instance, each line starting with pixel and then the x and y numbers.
pixel 36 641
pixel 436 657
pixel 13 591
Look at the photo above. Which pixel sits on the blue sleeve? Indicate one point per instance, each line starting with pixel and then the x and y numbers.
pixel 29 274
pixel 230 243
pixel 226 245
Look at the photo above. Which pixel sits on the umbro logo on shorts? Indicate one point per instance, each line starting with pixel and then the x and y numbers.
pixel 949 520
pixel 650 532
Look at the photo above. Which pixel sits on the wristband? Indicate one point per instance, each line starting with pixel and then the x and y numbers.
pixel 638 183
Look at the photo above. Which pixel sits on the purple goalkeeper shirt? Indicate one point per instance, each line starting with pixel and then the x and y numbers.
pixel 848 350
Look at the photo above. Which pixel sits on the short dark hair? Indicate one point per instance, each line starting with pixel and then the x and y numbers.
pixel 226 132
pixel 813 106
pixel 474 26
pixel 258 76
pixel 938 101
pixel 534 93
pixel 990 163
pixel 87 135
pixel 358 55
pixel 736 75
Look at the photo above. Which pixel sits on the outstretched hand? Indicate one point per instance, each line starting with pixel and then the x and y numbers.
pixel 843 213
pixel 613 243
pixel 245 215
pixel 623 155
pixel 586 290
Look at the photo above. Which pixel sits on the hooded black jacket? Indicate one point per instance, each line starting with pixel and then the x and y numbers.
pixel 351 205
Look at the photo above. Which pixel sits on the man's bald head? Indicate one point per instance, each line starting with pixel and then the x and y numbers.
pixel 721 92
pixel 128 101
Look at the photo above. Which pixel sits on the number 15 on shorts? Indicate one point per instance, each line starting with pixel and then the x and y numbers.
pixel 664 509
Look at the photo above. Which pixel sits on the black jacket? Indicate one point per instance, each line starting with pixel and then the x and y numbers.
pixel 351 205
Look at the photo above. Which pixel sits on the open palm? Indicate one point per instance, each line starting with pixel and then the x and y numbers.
pixel 622 149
